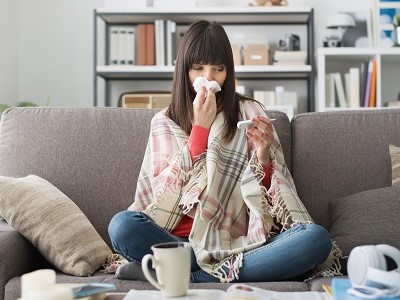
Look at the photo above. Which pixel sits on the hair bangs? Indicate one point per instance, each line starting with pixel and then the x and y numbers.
pixel 207 49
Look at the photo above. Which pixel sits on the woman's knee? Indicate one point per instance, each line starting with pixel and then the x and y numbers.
pixel 320 238
pixel 123 224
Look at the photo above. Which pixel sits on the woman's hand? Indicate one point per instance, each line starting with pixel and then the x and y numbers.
pixel 204 108
pixel 262 136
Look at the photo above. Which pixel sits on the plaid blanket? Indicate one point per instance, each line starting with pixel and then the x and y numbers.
pixel 233 212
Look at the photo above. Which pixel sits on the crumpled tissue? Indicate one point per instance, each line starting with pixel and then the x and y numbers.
pixel 199 82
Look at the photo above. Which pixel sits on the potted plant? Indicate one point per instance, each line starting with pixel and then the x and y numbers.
pixel 3 107
pixel 396 23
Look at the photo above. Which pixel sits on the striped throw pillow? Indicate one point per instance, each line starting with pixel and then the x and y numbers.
pixel 395 158
pixel 53 223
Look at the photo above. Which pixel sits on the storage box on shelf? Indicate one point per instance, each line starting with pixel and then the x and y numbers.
pixel 286 19
pixel 145 100
pixel 370 83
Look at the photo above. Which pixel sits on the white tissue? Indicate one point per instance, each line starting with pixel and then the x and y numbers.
pixel 199 82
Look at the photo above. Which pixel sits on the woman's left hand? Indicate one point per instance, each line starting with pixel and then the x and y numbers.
pixel 262 136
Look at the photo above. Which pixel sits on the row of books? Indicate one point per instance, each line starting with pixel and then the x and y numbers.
pixel 358 89
pixel 122 45
pixel 271 98
pixel 279 99
pixel 143 44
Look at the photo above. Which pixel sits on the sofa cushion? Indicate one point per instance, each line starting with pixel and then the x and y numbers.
pixel 395 158
pixel 53 224
pixel 340 153
pixel 367 217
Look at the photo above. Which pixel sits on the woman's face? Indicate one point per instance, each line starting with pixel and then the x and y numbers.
pixel 211 72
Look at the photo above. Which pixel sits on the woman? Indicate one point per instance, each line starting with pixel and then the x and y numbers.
pixel 226 191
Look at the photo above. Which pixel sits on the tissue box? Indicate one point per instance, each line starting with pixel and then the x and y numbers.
pixel 256 55
pixel 237 54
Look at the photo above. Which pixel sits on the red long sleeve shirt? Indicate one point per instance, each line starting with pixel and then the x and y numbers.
pixel 197 145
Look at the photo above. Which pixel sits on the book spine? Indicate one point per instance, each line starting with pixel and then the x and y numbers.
pixel 330 90
pixel 340 90
pixel 158 41
pixel 354 78
pixel 363 80
pixel 113 45
pixel 173 38
pixel 168 35
pixel 368 84
pixel 372 96
pixel 150 45
pixel 141 41
pixel 122 43
pixel 347 87
pixel 130 51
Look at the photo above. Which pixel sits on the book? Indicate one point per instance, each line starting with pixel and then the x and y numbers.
pixel 141 44
pixel 363 80
pixel 330 90
pixel 234 292
pixel 347 86
pixel 113 46
pixel 130 47
pixel 340 90
pixel 353 83
pixel 150 45
pixel 372 94
pixel 122 45
pixel 340 287
pixel 159 41
pixel 368 83
pixel 168 37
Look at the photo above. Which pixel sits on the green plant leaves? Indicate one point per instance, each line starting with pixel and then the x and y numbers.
pixel 3 107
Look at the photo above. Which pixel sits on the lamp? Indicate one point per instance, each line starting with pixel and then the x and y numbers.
pixel 340 22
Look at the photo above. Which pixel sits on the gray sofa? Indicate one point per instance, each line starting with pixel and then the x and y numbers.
pixel 93 155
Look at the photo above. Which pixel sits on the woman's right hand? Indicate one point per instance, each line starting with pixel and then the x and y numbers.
pixel 204 108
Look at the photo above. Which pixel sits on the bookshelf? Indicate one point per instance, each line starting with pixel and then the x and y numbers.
pixel 281 20
pixel 340 60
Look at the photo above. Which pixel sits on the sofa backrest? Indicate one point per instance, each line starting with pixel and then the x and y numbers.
pixel 93 155
pixel 335 154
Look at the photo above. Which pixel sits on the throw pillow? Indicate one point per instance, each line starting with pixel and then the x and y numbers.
pixel 53 223
pixel 395 158
pixel 366 218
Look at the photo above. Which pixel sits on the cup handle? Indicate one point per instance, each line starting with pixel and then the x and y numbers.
pixel 146 272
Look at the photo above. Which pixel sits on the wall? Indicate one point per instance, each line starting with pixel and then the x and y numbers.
pixel 47 47
pixel 323 9
pixel 8 51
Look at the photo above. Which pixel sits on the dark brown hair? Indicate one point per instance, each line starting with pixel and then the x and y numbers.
pixel 204 43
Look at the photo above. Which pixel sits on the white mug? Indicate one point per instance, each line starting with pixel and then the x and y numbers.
pixel 172 264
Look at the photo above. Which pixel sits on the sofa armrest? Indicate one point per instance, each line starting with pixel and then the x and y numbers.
pixel 17 255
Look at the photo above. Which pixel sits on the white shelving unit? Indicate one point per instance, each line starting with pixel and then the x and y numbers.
pixel 341 59
pixel 285 18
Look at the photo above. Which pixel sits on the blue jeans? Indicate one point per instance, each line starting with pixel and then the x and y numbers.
pixel 285 256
